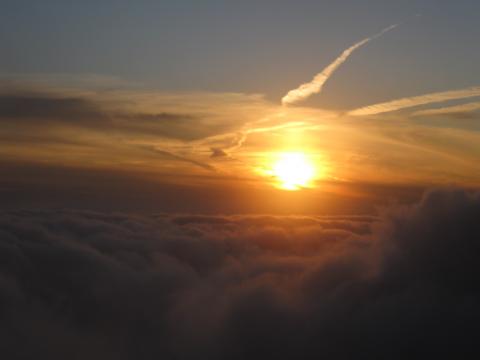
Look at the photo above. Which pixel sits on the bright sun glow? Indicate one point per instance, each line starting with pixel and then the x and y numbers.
pixel 294 171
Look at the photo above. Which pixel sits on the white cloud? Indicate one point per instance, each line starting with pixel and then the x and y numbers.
pixel 315 86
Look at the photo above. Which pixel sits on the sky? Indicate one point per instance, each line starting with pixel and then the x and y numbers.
pixel 201 98
pixel 248 46
pixel 239 179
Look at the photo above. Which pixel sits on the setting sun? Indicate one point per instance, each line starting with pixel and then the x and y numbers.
pixel 293 171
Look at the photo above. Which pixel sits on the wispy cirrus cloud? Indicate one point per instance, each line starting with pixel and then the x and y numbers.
pixel 315 86
pixel 410 102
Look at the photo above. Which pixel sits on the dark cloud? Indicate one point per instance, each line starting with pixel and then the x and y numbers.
pixel 35 108
pixel 92 114
pixel 114 286
pixel 45 186
pixel 171 155
pixel 218 153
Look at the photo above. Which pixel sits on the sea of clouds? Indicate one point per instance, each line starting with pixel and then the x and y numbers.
pixel 401 285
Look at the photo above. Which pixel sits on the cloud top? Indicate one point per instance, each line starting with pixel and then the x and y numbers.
pixel 116 286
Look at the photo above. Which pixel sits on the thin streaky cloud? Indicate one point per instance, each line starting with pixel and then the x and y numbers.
pixel 450 110
pixel 315 86
pixel 170 154
pixel 405 103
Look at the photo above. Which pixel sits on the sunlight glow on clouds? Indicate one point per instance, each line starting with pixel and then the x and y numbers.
pixel 193 213
pixel 222 136
pixel 105 123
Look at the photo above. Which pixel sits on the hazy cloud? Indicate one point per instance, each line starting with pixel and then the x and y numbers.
pixel 165 133
pixel 94 114
pixel 118 124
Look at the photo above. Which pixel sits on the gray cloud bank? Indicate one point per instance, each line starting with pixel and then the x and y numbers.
pixel 83 112
pixel 113 286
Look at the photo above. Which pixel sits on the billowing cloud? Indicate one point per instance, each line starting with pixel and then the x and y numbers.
pixel 116 286
pixel 315 86
pixel 416 101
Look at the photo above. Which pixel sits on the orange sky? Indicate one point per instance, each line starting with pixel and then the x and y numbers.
pixel 213 136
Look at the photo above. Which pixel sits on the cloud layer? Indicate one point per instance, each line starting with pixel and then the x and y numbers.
pixel 114 286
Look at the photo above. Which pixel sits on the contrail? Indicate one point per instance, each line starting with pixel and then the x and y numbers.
pixel 416 101
pixel 315 86
pixel 450 110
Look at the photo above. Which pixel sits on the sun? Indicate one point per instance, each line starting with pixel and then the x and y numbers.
pixel 293 171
